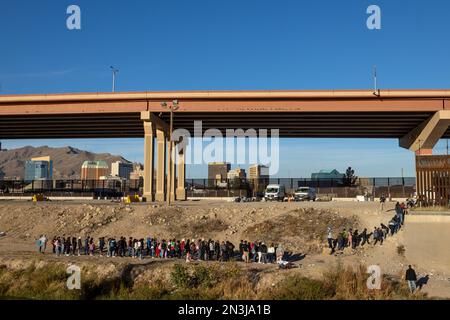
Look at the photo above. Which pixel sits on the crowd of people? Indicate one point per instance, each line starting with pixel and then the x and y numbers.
pixel 189 250
pixel 353 238
pixel 202 249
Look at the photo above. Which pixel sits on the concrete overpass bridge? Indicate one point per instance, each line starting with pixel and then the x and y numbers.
pixel 418 118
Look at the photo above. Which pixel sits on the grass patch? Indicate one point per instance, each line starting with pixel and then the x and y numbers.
pixel 197 282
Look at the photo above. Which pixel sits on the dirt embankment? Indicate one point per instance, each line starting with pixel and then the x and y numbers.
pixel 298 229
pixel 303 228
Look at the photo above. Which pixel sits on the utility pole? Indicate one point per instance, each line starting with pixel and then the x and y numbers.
pixel 170 172
pixel 114 72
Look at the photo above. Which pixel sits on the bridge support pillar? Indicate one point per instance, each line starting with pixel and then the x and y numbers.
pixel 181 179
pixel 149 162
pixel 423 138
pixel 154 126
pixel 161 165
pixel 172 170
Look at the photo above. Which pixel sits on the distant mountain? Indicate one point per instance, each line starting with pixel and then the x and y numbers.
pixel 67 161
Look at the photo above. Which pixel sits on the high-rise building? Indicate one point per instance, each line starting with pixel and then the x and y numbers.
pixel 93 170
pixel 217 171
pixel 258 171
pixel 258 176
pixel 121 169
pixel 40 168
pixel 236 173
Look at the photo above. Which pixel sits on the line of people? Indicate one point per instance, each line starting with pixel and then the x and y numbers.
pixel 353 238
pixel 151 247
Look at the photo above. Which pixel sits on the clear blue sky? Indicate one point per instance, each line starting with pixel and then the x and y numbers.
pixel 233 44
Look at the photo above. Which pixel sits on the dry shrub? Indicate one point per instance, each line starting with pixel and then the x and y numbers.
pixel 401 250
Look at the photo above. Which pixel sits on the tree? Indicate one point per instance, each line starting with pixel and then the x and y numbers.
pixel 349 177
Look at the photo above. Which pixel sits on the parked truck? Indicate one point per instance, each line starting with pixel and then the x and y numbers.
pixel 274 192
pixel 305 194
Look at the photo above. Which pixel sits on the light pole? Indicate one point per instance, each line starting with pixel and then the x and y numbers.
pixel 114 72
pixel 174 106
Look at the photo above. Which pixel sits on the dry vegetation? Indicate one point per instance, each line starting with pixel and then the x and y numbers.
pixel 301 228
pixel 194 282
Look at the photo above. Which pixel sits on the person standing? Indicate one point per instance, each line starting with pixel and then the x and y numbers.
pixel 271 253
pixel 411 278
pixel 330 239
pixel 79 245
pixel 264 253
pixel 86 246
pixel 382 201
pixel 364 237
pixel 279 252
pixel 399 213
pixel 45 241
pixel 39 243
pixel 74 245
pixel 376 236
pixel 245 248
pixel 350 238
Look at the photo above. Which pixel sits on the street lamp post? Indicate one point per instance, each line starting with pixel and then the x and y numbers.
pixel 174 106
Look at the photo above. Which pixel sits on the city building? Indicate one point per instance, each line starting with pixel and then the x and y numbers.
pixel 121 169
pixel 258 176
pixel 138 172
pixel 2 175
pixel 40 168
pixel 328 175
pixel 236 173
pixel 258 171
pixel 217 172
pixel 93 170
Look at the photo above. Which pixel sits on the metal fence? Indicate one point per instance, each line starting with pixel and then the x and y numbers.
pixel 96 188
pixel 371 187
pixel 402 187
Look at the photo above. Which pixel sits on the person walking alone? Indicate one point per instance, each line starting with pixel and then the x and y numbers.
pixel 411 278
pixel 330 240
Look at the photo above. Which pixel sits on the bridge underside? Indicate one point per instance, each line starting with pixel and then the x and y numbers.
pixel 418 118
pixel 290 124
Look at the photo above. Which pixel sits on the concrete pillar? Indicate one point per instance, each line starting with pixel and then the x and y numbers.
pixel 181 182
pixel 149 163
pixel 173 169
pixel 161 168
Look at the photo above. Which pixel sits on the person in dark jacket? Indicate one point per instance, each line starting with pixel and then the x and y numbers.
pixel 411 278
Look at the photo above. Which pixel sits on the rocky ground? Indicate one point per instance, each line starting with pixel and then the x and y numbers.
pixel 299 227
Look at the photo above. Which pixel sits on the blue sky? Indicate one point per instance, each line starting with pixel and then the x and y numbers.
pixel 236 45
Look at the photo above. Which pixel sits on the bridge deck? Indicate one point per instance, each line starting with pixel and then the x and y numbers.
pixel 344 114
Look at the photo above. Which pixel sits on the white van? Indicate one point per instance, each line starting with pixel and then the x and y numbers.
pixel 305 194
pixel 275 192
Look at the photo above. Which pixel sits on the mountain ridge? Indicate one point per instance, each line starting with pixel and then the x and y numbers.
pixel 67 160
